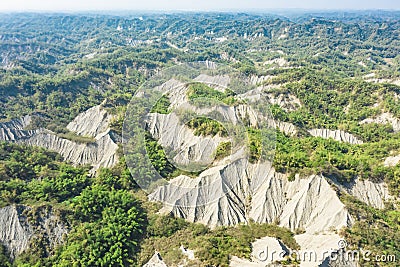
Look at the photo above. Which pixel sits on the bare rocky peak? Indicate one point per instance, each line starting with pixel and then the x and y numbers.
pixel 100 153
pixel 175 90
pixel 174 134
pixel 232 196
pixel 91 123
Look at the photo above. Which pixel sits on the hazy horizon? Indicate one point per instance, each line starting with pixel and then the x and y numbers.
pixel 181 5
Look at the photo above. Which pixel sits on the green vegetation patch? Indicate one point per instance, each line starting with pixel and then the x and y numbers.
pixel 77 138
pixel 212 247
pixel 375 230
pixel 30 174
pixel 223 150
pixel 162 106
pixel 205 126
pixel 158 157
pixel 109 227
pixel 345 161
pixel 255 144
pixel 200 90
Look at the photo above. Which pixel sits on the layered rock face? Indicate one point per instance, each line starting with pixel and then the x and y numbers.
pixel 231 196
pixel 337 135
pixel 93 123
pixel 13 130
pixel 17 230
pixel 374 194
pixel 100 153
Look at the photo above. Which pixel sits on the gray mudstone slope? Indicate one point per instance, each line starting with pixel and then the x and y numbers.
pixel 18 230
pixel 337 135
pixel 93 122
pixel 234 191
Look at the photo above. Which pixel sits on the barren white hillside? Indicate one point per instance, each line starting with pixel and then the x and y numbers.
pixel 13 129
pixel 374 194
pixel 101 153
pixel 309 203
pixel 93 122
pixel 337 135
pixel 17 231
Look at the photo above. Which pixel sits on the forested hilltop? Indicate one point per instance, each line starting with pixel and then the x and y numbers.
pixel 331 80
